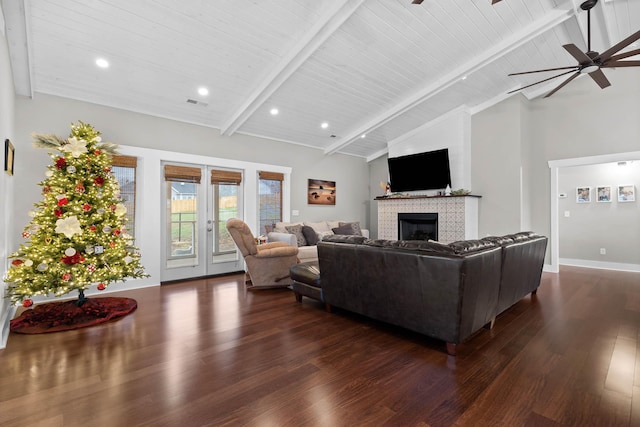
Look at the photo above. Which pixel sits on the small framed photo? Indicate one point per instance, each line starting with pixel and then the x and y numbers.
pixel 583 195
pixel 603 193
pixel 9 153
pixel 626 193
pixel 320 192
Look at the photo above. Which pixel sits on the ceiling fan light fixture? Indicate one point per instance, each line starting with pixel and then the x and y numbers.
pixel 589 69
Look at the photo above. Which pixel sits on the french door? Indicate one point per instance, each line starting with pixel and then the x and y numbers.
pixel 199 200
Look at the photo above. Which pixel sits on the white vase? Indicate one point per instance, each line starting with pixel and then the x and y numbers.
pixel 447 191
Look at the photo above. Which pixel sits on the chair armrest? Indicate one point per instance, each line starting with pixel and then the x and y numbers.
pixel 278 251
pixel 288 238
pixel 365 232
pixel 272 245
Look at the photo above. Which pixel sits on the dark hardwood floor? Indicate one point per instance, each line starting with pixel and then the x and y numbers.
pixel 207 352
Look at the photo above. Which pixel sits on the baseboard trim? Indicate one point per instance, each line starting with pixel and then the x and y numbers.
pixel 618 266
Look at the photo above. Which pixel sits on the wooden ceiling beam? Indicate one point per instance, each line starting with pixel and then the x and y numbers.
pixel 296 57
pixel 17 33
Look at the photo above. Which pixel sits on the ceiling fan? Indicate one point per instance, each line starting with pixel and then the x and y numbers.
pixel 590 62
pixel 420 1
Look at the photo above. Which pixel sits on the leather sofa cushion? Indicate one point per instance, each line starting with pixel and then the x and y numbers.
pixel 340 238
pixel 498 240
pixel 424 245
pixel 307 273
pixel 467 246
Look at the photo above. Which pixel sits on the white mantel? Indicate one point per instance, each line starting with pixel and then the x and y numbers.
pixel 457 215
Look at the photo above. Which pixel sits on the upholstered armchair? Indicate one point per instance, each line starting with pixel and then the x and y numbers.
pixel 268 264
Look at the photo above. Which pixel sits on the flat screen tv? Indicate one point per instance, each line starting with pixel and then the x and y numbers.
pixel 422 171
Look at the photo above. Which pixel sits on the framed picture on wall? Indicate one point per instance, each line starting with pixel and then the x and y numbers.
pixel 583 195
pixel 9 156
pixel 626 193
pixel 603 193
pixel 321 192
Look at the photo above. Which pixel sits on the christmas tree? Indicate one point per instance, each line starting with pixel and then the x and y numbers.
pixel 77 235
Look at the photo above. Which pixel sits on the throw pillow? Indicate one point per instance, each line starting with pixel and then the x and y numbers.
pixel 345 230
pixel 318 226
pixel 355 228
pixel 310 235
pixel 296 230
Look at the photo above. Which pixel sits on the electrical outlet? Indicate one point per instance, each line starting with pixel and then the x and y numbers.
pixel 603 251
pixel 295 212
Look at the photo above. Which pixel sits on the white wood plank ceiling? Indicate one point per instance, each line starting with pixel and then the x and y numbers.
pixel 377 67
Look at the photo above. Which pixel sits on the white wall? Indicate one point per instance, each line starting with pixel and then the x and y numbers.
pixel 613 225
pixel 7 238
pixel 452 131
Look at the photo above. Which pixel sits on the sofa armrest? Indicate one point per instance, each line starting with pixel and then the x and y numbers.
pixel 288 238
pixel 272 245
pixel 365 232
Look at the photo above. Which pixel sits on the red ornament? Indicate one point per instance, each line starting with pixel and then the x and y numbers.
pixel 86 207
pixel 112 207
pixel 80 188
pixel 27 303
pixel 46 189
pixel 116 232
pixel 101 286
pixel 107 169
pixel 61 163
pixel 112 244
pixel 66 277
pixel 98 181
pixel 26 234
pixel 63 201
pixel 93 228
pixel 57 212
pixel 74 259
pixel 16 262
pixel 96 152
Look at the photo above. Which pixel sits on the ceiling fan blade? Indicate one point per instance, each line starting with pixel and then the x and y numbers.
pixel 563 84
pixel 572 67
pixel 624 55
pixel 604 56
pixel 599 77
pixel 495 1
pixel 416 1
pixel 542 81
pixel 579 55
pixel 612 64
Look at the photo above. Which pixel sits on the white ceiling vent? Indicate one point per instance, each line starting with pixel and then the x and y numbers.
pixel 196 102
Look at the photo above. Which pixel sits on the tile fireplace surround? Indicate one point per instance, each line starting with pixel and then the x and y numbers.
pixel 457 215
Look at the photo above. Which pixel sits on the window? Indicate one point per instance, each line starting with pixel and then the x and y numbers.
pixel 124 170
pixel 270 203
pixel 182 215
pixel 226 186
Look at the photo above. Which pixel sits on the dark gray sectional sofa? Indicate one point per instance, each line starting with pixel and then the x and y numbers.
pixel 447 292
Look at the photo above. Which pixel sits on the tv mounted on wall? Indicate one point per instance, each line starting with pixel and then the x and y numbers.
pixel 422 171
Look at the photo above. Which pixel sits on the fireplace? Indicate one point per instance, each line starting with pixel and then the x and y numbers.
pixel 417 226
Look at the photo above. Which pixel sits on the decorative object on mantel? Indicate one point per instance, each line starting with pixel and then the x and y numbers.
pixel 460 192
pixel 447 191
pixel 77 235
pixel 386 188
pixel 321 192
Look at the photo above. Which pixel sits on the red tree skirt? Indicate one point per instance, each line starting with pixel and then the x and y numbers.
pixel 65 315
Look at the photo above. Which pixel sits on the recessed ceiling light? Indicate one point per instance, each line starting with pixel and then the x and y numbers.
pixel 464 77
pixel 364 135
pixel 203 91
pixel 274 111
pixel 324 125
pixel 102 63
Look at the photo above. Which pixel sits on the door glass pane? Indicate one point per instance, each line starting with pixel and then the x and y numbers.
pixel 227 198
pixel 126 177
pixel 270 203
pixel 183 219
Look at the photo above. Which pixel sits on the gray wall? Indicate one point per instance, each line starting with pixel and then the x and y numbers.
pixel 614 226
pixel 378 172
pixel 7 239
pixel 50 114
pixel 581 120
